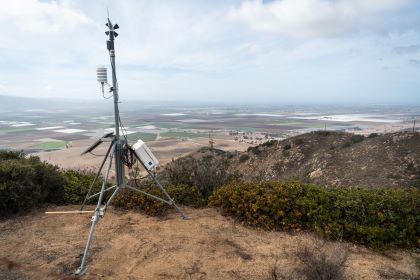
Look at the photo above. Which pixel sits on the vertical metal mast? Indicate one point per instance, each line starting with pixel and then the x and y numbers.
pixel 119 169
pixel 116 152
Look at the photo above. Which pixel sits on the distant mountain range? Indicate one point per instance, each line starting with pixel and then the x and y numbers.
pixel 9 103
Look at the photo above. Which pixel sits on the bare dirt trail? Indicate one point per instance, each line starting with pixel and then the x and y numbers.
pixel 130 245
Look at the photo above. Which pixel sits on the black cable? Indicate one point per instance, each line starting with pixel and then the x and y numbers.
pixel 123 130
pixel 105 97
pixel 96 155
pixel 128 156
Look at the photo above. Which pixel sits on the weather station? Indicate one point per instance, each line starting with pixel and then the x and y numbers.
pixel 120 153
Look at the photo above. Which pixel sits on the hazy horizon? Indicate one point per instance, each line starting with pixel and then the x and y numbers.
pixel 103 102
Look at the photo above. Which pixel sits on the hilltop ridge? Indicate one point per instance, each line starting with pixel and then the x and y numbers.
pixel 329 158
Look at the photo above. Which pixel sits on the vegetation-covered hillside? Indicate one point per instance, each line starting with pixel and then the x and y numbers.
pixel 339 159
pixel 326 158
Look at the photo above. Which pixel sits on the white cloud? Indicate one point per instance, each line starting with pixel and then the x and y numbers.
pixel 172 35
pixel 202 50
pixel 315 18
pixel 41 17
pixel 48 87
pixel 407 49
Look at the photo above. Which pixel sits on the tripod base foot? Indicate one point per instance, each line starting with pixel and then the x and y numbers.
pixel 80 271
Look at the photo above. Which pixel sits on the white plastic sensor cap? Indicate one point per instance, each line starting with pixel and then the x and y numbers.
pixel 145 155
pixel 101 75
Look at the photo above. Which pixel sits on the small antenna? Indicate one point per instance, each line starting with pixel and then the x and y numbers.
pixel 211 142
pixel 414 125
pixel 107 11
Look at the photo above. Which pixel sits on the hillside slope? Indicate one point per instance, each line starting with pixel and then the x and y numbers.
pixel 329 158
pixel 339 159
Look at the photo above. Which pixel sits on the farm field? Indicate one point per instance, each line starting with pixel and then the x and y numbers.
pixel 172 131
pixel 50 144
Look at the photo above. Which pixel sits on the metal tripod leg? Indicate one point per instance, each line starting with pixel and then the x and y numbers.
pixel 111 198
pixel 95 218
pixel 150 195
pixel 172 202
pixel 96 177
pixel 107 189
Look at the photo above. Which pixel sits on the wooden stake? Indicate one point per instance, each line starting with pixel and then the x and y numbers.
pixel 69 212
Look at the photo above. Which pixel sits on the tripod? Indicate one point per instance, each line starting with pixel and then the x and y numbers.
pixel 117 148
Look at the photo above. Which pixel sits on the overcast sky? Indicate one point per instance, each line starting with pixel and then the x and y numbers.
pixel 286 51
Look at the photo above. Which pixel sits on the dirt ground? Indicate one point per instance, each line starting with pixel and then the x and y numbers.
pixel 131 245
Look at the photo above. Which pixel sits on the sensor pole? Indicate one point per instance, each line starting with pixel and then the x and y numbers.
pixel 119 169
pixel 115 151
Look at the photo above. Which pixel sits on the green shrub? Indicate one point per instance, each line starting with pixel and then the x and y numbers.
pixel 243 157
pixel 298 141
pixel 77 183
pixel 204 173
pixel 378 218
pixel 5 154
pixel 287 146
pixel 27 182
pixel 373 135
pixel 269 143
pixel 180 171
pixel 229 155
pixel 354 139
pixel 415 182
pixel 322 132
pixel 255 150
pixel 183 194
